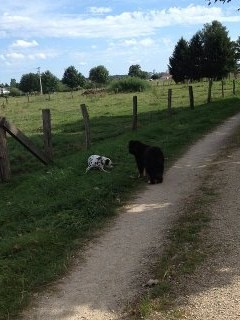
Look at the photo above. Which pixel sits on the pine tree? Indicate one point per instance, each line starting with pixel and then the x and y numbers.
pixel 218 51
pixel 196 57
pixel 179 61
pixel 237 54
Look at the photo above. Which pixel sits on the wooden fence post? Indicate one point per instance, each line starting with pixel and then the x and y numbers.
pixel 234 87
pixel 5 172
pixel 134 123
pixel 222 88
pixel 47 133
pixel 191 98
pixel 86 124
pixel 209 91
pixel 169 100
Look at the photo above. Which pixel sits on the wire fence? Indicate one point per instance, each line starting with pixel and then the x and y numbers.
pixel 109 114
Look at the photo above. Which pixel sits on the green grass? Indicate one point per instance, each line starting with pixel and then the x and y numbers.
pixel 48 212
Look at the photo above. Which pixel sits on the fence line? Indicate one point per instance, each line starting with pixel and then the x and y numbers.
pixel 47 156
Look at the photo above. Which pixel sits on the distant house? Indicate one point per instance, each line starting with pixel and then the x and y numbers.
pixel 4 90
pixel 166 76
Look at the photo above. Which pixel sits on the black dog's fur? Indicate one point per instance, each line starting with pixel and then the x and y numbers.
pixel 148 158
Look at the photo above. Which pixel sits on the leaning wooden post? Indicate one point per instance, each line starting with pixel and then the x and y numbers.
pixel 234 87
pixel 134 123
pixel 5 172
pixel 191 98
pixel 169 100
pixel 86 124
pixel 47 133
pixel 209 91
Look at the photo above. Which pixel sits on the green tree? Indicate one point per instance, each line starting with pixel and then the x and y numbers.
pixel 237 54
pixel 13 83
pixel 72 78
pixel 155 76
pixel 29 82
pixel 49 82
pixel 99 75
pixel 213 1
pixel 135 71
pixel 196 57
pixel 218 51
pixel 179 61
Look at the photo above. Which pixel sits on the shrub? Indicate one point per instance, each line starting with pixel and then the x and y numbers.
pixel 129 84
pixel 15 92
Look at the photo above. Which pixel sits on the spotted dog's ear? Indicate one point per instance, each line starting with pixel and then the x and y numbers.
pixel 107 162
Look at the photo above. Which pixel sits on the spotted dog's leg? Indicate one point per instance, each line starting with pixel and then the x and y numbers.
pixel 102 169
pixel 88 168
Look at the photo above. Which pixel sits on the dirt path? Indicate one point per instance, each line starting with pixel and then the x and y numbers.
pixel 213 291
pixel 116 265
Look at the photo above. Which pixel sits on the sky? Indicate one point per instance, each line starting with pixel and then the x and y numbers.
pixel 53 35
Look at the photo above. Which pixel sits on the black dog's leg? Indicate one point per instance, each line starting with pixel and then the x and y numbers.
pixel 140 166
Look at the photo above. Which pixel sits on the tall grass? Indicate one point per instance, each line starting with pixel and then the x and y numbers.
pixel 49 212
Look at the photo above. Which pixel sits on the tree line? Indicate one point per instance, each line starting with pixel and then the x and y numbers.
pixel 210 53
pixel 72 80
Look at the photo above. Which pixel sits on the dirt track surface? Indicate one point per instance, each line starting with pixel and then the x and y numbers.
pixel 116 265
pixel 213 291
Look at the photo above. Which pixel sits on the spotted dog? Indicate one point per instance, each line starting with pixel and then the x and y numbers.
pixel 99 162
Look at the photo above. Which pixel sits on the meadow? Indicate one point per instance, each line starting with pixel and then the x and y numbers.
pixel 49 212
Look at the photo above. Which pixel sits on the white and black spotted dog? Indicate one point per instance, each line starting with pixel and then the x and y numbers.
pixel 99 162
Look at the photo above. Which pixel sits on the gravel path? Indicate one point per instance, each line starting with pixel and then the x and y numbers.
pixel 213 291
pixel 116 265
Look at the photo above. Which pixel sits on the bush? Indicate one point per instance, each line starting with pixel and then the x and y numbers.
pixel 15 92
pixel 62 87
pixel 129 84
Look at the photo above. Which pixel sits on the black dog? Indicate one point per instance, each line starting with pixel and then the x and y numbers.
pixel 148 158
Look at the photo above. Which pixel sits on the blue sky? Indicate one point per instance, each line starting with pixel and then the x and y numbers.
pixel 55 34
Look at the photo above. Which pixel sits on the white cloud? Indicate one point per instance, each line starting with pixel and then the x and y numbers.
pixel 17 57
pixel 130 42
pixel 146 42
pixel 37 56
pixel 24 44
pixel 125 25
pixel 99 10
pixel 14 56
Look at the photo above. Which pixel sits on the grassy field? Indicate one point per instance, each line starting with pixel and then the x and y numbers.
pixel 49 212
